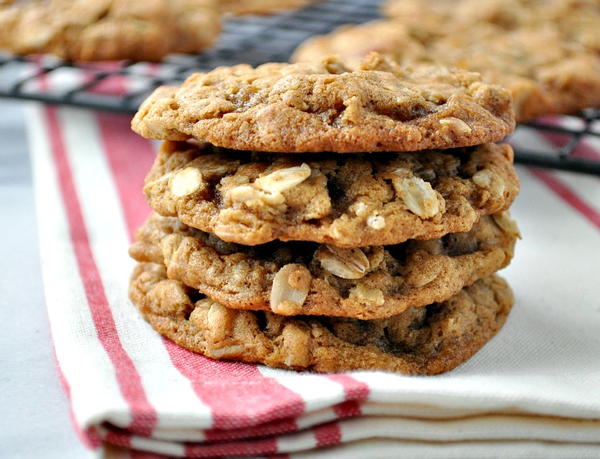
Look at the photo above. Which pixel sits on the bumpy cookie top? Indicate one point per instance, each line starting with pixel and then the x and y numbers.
pixel 303 278
pixel 109 29
pixel 426 340
pixel 346 201
pixel 293 108
pixel 547 70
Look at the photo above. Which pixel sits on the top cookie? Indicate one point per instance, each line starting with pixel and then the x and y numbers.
pixel 294 108
pixel 109 29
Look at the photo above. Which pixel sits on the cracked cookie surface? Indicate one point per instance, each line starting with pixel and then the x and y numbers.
pixel 301 278
pixel 346 201
pixel 427 340
pixel 294 108
pixel 547 70
pixel 109 29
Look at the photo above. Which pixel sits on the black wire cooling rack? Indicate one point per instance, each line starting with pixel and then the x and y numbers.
pixel 255 40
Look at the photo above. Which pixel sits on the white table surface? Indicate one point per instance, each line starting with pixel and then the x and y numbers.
pixel 35 419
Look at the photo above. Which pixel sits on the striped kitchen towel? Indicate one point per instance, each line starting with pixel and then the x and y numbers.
pixel 533 391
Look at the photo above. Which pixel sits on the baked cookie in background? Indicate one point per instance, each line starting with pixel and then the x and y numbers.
pixel 442 14
pixel 546 73
pixel 576 19
pixel 242 7
pixel 85 30
pixel 325 106
pixel 546 70
pixel 352 42
pixel 425 340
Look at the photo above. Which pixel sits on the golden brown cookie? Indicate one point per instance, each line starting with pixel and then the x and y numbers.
pixel 109 29
pixel 545 74
pixel 241 7
pixel 546 71
pixel 325 107
pixel 369 283
pixel 442 14
pixel 426 340
pixel 353 42
pixel 346 201
pixel 575 18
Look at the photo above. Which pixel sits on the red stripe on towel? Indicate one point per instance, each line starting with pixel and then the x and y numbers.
pixel 328 435
pixel 567 195
pixel 238 394
pixel 356 392
pixel 130 158
pixel 143 414
pixel 234 449
pixel 277 427
pixel 264 399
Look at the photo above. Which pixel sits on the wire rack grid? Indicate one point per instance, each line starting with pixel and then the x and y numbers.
pixel 256 40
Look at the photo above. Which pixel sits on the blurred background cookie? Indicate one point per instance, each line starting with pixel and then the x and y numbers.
pixel 547 70
pixel 240 7
pixel 83 30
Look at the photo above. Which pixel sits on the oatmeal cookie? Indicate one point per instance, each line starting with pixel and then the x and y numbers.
pixel 96 30
pixel 346 201
pixel 241 7
pixel 426 340
pixel 575 20
pixel 571 17
pixel 546 71
pixel 350 43
pixel 446 14
pixel 325 107
pixel 303 278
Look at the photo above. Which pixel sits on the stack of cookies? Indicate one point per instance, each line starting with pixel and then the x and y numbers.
pixel 312 217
